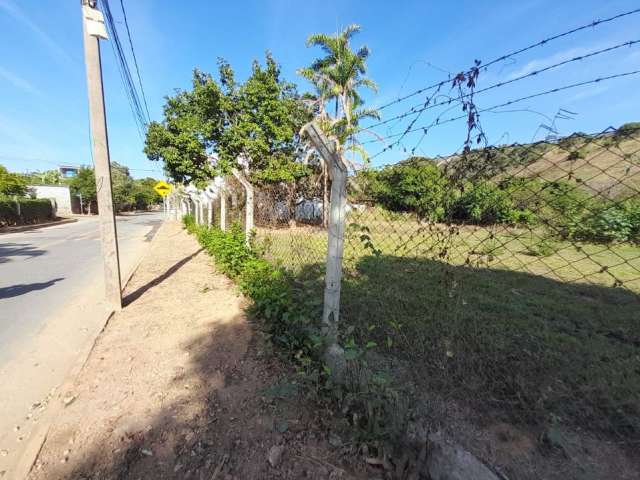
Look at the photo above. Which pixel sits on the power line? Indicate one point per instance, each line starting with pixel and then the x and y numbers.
pixel 428 105
pixel 438 122
pixel 125 72
pixel 540 43
pixel 135 60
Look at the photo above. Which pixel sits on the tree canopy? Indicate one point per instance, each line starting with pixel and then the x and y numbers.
pixel 11 184
pixel 255 122
pixel 339 77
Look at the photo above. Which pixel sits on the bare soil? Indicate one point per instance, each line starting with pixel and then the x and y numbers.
pixel 180 385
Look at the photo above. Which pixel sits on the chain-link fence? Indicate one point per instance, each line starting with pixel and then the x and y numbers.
pixel 507 277
pixel 289 224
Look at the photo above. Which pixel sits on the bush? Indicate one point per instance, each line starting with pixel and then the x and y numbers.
pixel 485 203
pixel 419 187
pixel 284 309
pixel 576 155
pixel 31 211
pixel 610 222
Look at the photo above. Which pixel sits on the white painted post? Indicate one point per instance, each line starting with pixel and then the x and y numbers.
pixel 223 209
pixel 209 212
pixel 337 213
pixel 248 188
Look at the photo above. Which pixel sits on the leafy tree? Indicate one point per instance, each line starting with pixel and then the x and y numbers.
pixel 144 194
pixel 11 184
pixel 48 177
pixel 257 121
pixel 123 187
pixel 192 125
pixel 84 183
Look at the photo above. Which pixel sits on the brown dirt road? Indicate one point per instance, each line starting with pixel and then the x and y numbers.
pixel 179 386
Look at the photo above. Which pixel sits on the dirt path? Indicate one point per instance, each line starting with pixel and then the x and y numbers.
pixel 178 386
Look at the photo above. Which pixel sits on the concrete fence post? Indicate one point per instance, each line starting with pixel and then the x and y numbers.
pixel 223 210
pixel 337 168
pixel 248 188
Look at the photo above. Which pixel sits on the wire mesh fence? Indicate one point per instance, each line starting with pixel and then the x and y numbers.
pixel 508 276
pixel 289 224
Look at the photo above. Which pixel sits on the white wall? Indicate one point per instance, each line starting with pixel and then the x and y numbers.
pixel 59 194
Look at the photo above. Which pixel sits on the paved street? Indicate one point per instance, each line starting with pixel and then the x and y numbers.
pixel 41 270
pixel 51 310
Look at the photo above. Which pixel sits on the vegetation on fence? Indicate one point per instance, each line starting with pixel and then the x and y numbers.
pixel 289 308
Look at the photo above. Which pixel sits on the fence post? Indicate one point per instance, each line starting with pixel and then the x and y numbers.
pixel 18 210
pixel 248 188
pixel 223 209
pixel 334 356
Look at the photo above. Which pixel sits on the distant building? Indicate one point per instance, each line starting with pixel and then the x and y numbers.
pixel 68 171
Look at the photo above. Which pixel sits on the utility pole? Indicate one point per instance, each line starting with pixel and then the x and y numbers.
pixel 93 30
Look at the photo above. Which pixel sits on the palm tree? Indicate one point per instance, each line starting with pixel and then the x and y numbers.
pixel 337 77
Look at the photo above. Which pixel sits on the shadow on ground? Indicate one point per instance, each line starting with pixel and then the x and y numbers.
pixel 18 250
pixel 190 392
pixel 21 289
pixel 510 346
pixel 133 296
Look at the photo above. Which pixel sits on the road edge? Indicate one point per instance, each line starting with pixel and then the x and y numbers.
pixel 36 226
pixel 39 436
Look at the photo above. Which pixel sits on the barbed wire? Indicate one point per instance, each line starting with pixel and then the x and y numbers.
pixel 427 105
pixel 438 122
pixel 514 53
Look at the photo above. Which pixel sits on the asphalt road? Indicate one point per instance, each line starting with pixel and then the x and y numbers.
pixel 42 270
pixel 52 309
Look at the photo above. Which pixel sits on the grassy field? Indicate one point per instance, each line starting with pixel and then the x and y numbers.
pixel 522 327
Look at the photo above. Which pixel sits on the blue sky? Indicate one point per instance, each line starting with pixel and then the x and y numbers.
pixel 43 106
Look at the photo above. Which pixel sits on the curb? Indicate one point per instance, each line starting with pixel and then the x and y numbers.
pixel 39 434
pixel 23 228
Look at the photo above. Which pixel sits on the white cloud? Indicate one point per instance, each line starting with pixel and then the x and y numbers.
pixel 19 82
pixel 13 10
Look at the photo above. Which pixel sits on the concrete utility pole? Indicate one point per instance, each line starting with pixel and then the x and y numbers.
pixel 94 29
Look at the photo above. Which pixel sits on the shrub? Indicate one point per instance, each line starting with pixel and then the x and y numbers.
pixel 576 155
pixel 286 315
pixel 31 211
pixel 419 187
pixel 485 203
pixel 629 128
pixel 608 222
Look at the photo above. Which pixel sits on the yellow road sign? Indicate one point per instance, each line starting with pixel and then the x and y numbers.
pixel 162 188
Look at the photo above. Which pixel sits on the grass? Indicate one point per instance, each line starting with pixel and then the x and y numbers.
pixel 518 325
